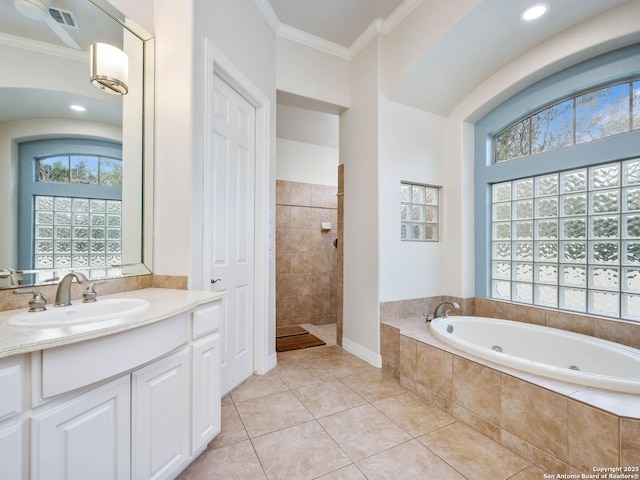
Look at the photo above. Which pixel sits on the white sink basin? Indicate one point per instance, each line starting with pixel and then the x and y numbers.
pixel 99 311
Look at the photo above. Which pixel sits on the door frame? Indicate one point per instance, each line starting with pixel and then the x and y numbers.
pixel 216 63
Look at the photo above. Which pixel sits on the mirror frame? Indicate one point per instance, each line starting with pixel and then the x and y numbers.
pixel 147 145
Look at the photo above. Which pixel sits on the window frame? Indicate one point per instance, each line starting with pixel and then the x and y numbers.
pixel 573 98
pixel 611 68
pixel 29 186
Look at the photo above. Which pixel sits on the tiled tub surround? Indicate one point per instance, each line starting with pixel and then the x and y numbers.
pixel 548 352
pixel 561 427
pixel 306 259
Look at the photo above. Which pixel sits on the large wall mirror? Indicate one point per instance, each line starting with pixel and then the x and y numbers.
pixel 76 163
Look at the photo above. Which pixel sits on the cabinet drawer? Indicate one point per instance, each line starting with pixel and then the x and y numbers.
pixel 79 364
pixel 207 319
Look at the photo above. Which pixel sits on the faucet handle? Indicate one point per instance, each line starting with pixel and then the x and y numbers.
pixel 89 294
pixel 36 303
pixel 428 317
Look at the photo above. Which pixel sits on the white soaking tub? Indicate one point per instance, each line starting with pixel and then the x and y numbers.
pixel 545 351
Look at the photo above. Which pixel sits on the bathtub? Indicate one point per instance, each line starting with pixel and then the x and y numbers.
pixel 545 351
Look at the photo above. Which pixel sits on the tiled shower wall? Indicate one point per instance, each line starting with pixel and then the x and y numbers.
pixel 306 258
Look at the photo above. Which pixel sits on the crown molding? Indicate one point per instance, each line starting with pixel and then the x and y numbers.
pixel 43 47
pixel 304 38
pixel 399 14
pixel 379 25
pixel 269 14
pixel 374 28
pixel 384 26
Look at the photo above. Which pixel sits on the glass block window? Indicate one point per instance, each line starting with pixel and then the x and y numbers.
pixel 586 117
pixel 79 234
pixel 570 240
pixel 419 212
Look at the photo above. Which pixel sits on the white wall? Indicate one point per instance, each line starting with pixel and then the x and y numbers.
pixel 173 162
pixel 311 73
pixel 404 45
pixel 306 162
pixel 307 146
pixel 411 149
pixel 307 126
pixel 359 153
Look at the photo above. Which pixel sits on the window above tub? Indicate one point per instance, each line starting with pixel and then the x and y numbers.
pixel 557 203
pixel 570 240
pixel 591 115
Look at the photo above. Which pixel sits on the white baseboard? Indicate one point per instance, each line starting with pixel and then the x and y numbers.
pixel 359 351
pixel 272 361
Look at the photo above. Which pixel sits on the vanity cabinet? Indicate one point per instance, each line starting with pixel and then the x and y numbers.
pixel 161 417
pixel 205 350
pixel 14 453
pixel 140 404
pixel 14 449
pixel 85 437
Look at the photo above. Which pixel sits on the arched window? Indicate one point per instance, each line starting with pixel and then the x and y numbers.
pixel 70 207
pixel 557 182
pixel 592 115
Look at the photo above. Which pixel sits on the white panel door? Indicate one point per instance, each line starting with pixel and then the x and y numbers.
pixel 230 226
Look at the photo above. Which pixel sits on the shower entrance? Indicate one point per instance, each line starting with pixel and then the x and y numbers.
pixel 306 254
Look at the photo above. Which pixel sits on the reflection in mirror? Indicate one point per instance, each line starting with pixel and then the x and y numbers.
pixel 75 162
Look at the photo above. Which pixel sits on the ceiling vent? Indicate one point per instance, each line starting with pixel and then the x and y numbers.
pixel 63 17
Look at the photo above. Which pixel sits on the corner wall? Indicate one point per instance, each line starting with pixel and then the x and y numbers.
pixel 359 152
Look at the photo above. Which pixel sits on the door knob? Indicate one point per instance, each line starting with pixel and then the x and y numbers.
pixel 216 280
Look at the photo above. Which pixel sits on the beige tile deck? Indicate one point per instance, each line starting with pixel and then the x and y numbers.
pixel 324 414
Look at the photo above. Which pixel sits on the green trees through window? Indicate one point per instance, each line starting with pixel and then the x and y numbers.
pixel 592 115
pixel 81 169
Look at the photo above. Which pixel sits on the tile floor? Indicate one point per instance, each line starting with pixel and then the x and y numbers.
pixel 323 413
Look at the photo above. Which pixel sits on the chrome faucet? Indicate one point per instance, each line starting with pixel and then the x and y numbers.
pixel 63 295
pixel 438 311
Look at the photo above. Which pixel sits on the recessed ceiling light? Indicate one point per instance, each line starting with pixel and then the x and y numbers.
pixel 77 108
pixel 534 12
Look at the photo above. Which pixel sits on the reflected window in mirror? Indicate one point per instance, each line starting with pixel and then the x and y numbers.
pixel 70 197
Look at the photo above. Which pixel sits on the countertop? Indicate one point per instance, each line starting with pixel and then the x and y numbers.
pixel 163 303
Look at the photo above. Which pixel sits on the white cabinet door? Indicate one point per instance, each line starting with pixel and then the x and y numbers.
pixel 161 413
pixel 14 453
pixel 87 437
pixel 206 391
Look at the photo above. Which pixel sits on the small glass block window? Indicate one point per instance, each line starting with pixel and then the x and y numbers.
pixel 419 212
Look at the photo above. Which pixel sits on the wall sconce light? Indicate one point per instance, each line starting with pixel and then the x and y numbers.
pixel 109 69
